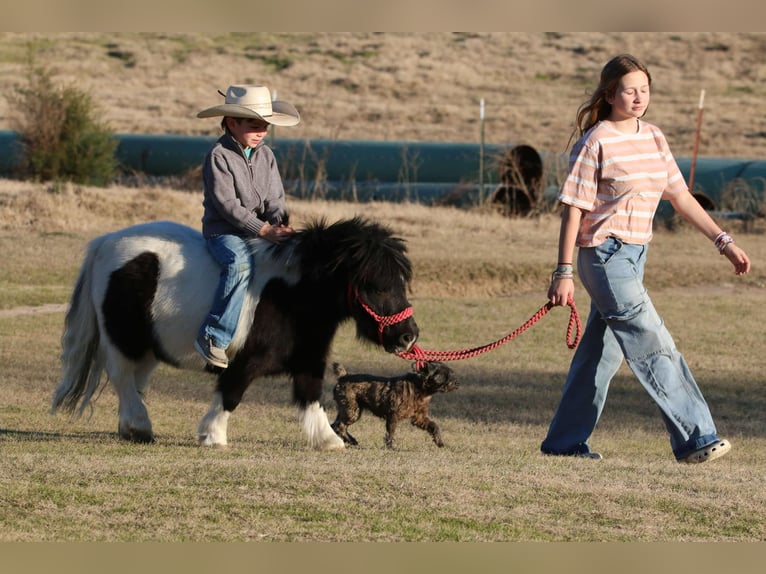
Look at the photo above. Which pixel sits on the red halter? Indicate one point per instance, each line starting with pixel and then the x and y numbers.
pixel 383 321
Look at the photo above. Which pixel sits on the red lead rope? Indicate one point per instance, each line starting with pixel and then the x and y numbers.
pixel 574 332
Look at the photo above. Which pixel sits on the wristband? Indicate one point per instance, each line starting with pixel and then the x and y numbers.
pixel 563 272
pixel 722 240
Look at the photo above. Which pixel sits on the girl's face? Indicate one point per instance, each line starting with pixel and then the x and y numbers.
pixel 630 98
pixel 249 131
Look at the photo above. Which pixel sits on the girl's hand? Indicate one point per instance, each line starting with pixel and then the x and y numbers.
pixel 738 258
pixel 560 291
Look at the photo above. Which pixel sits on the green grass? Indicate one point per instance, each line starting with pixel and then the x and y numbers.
pixel 76 480
pixel 64 479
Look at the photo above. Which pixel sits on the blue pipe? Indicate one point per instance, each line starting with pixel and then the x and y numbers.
pixel 392 170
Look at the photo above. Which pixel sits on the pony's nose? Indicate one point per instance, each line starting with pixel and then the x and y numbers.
pixel 407 340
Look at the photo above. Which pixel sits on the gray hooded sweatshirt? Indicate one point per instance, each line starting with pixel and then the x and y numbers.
pixel 240 193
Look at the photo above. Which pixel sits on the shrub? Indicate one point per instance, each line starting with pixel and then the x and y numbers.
pixel 61 139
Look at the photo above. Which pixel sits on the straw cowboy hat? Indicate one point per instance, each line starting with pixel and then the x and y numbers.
pixel 254 102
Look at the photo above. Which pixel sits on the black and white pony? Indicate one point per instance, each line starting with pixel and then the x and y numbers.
pixel 143 292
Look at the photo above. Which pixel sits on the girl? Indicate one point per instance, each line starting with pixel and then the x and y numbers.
pixel 619 170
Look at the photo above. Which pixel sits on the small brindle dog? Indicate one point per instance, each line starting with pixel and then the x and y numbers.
pixel 393 399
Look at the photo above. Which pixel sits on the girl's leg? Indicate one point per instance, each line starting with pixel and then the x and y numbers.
pixel 613 276
pixel 595 362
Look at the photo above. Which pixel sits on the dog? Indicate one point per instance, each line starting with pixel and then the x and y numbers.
pixel 393 399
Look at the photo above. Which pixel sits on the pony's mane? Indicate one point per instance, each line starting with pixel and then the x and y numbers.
pixel 367 249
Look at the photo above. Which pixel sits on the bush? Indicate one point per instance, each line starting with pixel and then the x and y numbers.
pixel 60 137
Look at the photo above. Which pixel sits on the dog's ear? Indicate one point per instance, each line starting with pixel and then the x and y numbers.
pixel 339 370
pixel 425 368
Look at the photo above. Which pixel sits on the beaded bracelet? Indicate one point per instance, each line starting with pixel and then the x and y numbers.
pixel 722 240
pixel 563 272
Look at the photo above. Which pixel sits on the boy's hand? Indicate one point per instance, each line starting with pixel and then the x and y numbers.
pixel 275 234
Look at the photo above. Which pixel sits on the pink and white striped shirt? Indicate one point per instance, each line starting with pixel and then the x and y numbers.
pixel 618 179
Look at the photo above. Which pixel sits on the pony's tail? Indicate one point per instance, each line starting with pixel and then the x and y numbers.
pixel 82 361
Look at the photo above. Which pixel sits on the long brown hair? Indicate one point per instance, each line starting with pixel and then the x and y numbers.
pixel 597 108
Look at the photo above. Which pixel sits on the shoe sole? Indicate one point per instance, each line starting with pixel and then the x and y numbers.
pixel 210 360
pixel 590 455
pixel 708 453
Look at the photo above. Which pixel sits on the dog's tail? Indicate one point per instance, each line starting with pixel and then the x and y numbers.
pixel 339 370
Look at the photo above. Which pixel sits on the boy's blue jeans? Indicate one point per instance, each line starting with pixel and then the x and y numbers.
pixel 623 323
pixel 234 256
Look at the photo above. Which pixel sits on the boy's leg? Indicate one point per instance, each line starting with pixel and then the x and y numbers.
pixel 233 255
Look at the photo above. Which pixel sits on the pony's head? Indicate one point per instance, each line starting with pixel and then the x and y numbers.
pixel 371 267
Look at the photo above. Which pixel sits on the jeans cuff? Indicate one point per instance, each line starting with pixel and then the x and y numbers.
pixel 695 444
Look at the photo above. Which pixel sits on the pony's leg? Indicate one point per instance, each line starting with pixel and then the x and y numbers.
pixel 313 418
pixel 232 383
pixel 212 429
pixel 134 424
pixel 144 370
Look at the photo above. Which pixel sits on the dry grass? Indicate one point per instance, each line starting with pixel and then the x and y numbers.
pixel 408 86
pixel 478 276
pixel 456 252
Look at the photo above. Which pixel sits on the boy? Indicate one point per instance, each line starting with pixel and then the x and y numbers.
pixel 244 198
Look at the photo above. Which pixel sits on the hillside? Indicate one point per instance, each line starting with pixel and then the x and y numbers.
pixel 405 86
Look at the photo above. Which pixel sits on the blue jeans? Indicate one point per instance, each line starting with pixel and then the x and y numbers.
pixel 233 255
pixel 623 323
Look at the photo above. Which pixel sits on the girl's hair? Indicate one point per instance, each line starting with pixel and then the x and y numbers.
pixel 597 108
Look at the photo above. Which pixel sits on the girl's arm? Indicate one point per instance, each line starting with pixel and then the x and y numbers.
pixel 562 289
pixel 690 209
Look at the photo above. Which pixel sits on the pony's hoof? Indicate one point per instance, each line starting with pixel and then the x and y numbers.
pixel 210 440
pixel 141 436
pixel 333 442
pixel 214 446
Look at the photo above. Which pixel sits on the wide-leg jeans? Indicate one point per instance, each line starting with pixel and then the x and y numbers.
pixel 623 323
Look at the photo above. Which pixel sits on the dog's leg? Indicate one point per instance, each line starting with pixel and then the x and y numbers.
pixel 349 438
pixel 430 426
pixel 390 430
pixel 341 429
pixel 348 413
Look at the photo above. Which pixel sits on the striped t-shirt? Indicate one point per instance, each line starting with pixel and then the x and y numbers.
pixel 618 179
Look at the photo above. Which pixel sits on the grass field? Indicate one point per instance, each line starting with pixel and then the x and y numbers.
pixel 477 277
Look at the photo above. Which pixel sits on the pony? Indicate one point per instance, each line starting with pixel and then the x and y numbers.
pixel 143 291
